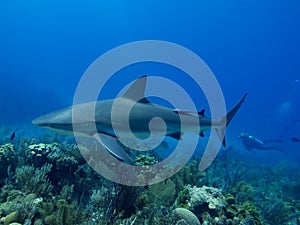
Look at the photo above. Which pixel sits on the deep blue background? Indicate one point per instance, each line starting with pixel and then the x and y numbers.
pixel 251 46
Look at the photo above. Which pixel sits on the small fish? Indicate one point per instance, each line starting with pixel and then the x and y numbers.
pixel 12 136
pixel 295 139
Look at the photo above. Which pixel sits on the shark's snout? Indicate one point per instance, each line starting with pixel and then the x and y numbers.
pixel 63 116
pixel 43 120
pixel 37 121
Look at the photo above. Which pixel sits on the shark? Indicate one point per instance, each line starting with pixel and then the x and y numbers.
pixel 142 112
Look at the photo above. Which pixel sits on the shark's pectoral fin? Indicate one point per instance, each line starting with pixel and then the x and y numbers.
pixel 112 146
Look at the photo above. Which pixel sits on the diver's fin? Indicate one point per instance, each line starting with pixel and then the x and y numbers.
pixel 221 131
pixel 112 146
pixel 136 91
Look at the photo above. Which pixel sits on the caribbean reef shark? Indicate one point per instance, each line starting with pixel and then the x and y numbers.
pixel 142 111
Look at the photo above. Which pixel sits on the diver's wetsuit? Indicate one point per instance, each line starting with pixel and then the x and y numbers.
pixel 251 143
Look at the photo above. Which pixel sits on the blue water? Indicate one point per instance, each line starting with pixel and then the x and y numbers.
pixel 251 46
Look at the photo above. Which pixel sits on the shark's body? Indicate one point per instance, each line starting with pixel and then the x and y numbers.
pixel 141 113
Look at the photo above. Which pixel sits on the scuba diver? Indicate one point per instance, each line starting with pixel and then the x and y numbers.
pixel 250 143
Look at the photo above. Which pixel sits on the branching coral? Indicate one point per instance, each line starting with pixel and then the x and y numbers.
pixel 275 212
pixel 34 180
pixel 162 192
pixel 107 205
pixel 26 210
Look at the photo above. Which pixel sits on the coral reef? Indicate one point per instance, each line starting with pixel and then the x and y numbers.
pixel 212 197
pixel 203 201
pixel 46 181
pixel 37 153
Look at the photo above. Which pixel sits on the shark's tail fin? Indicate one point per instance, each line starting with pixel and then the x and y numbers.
pixel 221 130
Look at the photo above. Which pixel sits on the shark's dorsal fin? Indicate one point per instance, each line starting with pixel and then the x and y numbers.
pixel 144 100
pixel 201 113
pixel 136 91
